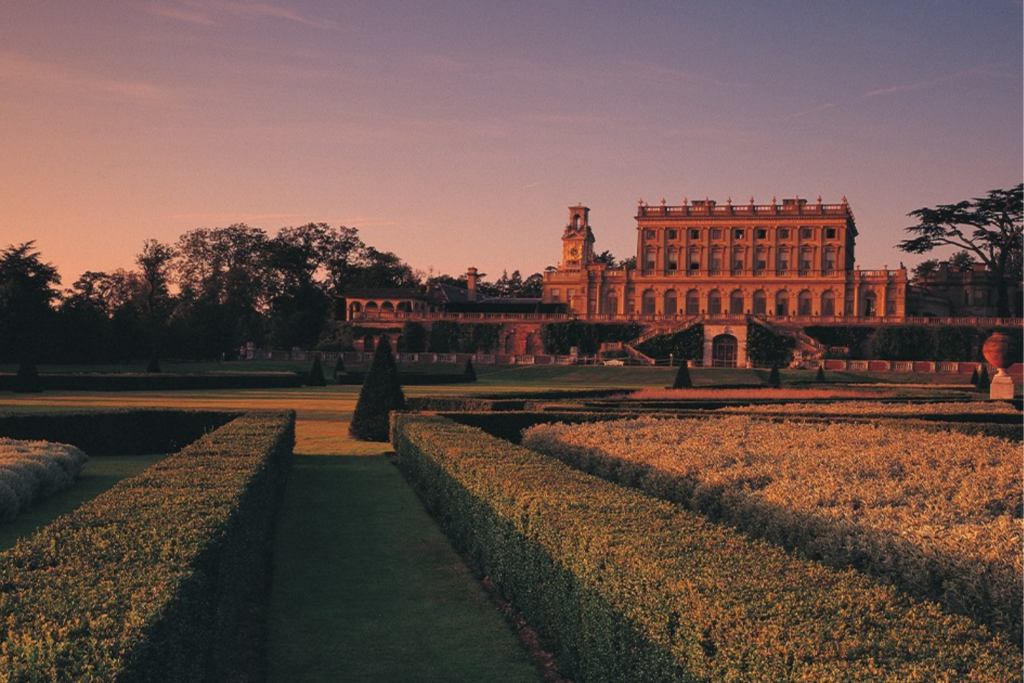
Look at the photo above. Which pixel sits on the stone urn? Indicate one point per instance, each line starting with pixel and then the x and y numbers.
pixel 998 351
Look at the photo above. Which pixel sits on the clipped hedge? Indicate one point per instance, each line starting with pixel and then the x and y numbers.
pixel 115 432
pixel 626 587
pixel 688 344
pixel 164 381
pixel 412 379
pixel 153 580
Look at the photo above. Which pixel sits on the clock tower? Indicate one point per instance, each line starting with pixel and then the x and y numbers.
pixel 577 240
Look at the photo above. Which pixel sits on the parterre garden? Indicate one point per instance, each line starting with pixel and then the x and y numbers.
pixel 743 536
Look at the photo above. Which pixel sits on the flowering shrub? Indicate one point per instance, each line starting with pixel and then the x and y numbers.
pixel 627 587
pixel 881 409
pixel 33 470
pixel 936 513
pixel 752 393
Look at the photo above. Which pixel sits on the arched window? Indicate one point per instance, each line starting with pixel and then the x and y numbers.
pixel 575 221
pixel 371 307
pixel 714 302
pixel 782 303
pixel 803 303
pixel 649 305
pixel 736 302
pixel 404 306
pixel 760 303
pixel 670 302
pixel 387 307
pixel 828 303
pixel 692 302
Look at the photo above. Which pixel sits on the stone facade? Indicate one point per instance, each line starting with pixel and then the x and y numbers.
pixel 788 260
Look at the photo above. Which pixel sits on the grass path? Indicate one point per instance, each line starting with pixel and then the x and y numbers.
pixel 365 586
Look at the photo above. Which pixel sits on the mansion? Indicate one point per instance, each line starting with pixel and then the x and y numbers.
pixel 772 260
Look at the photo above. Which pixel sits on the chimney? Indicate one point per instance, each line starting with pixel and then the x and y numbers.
pixel 471 283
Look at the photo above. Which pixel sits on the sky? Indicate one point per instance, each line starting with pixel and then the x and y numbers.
pixel 456 134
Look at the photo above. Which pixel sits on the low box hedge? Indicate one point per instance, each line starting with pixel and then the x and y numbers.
pixel 626 587
pixel 115 432
pixel 155 579
pixel 414 379
pixel 160 381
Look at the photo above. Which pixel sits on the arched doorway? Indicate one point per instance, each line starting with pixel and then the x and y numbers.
pixel 828 303
pixel 736 302
pixel 649 302
pixel 782 303
pixel 760 303
pixel 724 349
pixel 510 344
pixel 714 302
pixel 692 302
pixel 670 302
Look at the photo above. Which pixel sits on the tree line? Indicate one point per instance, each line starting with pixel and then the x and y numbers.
pixel 202 297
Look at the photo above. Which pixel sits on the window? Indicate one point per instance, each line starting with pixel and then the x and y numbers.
pixel 805 260
pixel 803 303
pixel 694 234
pixel 716 262
pixel 555 293
pixel 828 303
pixel 694 263
pixel 806 233
pixel 783 233
pixel 782 303
pixel 761 262
pixel 672 234
pixel 760 303
pixel 830 233
pixel 649 260
pixel 670 302
pixel 762 233
pixel 738 233
pixel 570 293
pixel 716 233
pixel 650 234
pixel 673 260
pixel 783 261
pixel 830 261
pixel 649 302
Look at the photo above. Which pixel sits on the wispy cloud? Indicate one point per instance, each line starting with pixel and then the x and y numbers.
pixel 213 13
pixel 30 73
pixel 979 72
pixel 812 110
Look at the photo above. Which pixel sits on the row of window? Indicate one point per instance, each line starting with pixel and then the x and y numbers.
pixel 717 256
pixel 715 304
pixel 740 233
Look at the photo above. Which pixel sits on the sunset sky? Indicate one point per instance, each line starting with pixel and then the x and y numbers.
pixel 457 133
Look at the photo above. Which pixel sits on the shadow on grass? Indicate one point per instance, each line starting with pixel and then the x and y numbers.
pixel 367 588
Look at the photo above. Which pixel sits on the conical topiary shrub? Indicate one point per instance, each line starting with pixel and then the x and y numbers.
pixel 339 368
pixel 470 372
pixel 774 378
pixel 154 365
pixel 983 380
pixel 27 380
pixel 683 380
pixel 381 393
pixel 974 376
pixel 820 377
pixel 316 375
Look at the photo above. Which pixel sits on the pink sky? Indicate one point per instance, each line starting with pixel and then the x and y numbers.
pixel 457 133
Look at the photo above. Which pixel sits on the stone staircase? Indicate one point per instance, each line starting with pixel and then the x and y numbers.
pixel 806 346
pixel 643 359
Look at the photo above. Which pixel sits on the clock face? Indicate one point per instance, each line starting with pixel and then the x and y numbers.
pixel 575 251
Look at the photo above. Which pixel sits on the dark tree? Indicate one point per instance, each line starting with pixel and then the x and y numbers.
pixel 983 379
pixel 339 368
pixel 820 376
pixel 381 393
pixel 27 296
pixel 989 228
pixel 683 380
pixel 470 372
pixel 974 376
pixel 316 378
pixel 774 378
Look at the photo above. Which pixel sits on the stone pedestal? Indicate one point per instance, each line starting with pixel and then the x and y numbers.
pixel 1001 387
